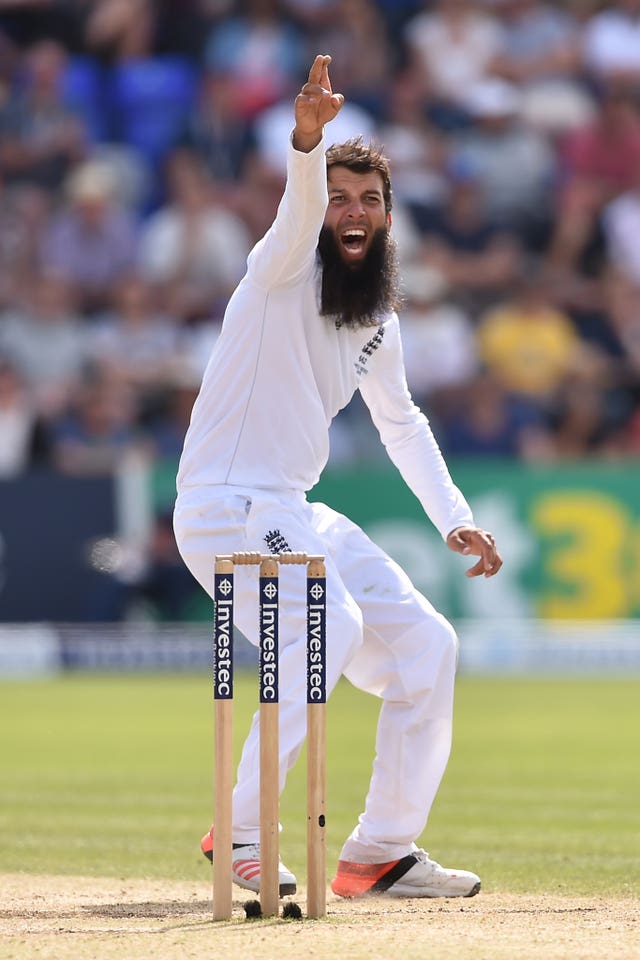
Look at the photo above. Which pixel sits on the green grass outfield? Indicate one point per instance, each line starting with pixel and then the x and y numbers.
pixel 111 776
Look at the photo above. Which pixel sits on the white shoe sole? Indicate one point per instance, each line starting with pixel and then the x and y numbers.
pixel 412 890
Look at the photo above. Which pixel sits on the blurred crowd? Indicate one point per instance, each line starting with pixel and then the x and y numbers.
pixel 142 149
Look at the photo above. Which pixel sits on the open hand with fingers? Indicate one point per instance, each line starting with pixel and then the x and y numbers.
pixel 315 105
pixel 479 543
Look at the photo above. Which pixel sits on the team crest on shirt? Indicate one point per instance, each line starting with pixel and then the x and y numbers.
pixel 276 542
pixel 368 351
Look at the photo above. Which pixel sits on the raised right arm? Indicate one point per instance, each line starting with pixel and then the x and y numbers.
pixel 288 249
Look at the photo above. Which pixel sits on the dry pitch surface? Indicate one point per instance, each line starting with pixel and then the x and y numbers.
pixel 79 917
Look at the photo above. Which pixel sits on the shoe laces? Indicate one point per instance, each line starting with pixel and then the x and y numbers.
pixel 420 854
pixel 250 852
pixel 424 857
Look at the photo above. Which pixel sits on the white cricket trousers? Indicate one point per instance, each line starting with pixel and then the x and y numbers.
pixel 383 635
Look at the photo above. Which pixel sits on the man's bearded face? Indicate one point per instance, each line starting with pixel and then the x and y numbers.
pixel 357 295
pixel 360 277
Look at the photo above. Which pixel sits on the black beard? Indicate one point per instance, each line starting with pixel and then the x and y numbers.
pixel 357 295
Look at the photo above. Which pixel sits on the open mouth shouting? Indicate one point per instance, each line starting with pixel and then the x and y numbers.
pixel 353 242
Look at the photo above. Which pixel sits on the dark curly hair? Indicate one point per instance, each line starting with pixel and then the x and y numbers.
pixel 357 156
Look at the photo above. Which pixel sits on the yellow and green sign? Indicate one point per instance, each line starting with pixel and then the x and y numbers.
pixel 570 536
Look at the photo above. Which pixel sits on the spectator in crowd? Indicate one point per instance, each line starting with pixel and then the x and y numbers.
pixel 397 13
pixel 259 193
pixel 584 419
pixel 117 30
pixel 514 163
pixel 621 227
pixel 623 301
pixel 540 53
pixel 40 137
pixel 597 162
pixel 193 250
pixel 262 50
pixel 98 430
pixel 360 53
pixel 23 437
pixel 168 426
pixel 92 240
pixel 438 340
pixel 164 582
pixel 540 42
pixel 184 26
pixel 528 344
pixel 217 130
pixel 487 421
pixel 452 44
pixel 44 336
pixel 25 210
pixel 133 340
pixel 478 256
pixel 416 149
pixel 611 44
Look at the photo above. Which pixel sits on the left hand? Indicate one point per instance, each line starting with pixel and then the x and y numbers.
pixel 479 543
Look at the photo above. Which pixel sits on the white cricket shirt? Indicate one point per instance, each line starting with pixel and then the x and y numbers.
pixel 280 372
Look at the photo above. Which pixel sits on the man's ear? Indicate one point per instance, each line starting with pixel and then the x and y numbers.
pixel 389 221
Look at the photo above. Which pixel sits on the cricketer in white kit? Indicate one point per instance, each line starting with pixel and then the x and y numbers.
pixel 309 325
